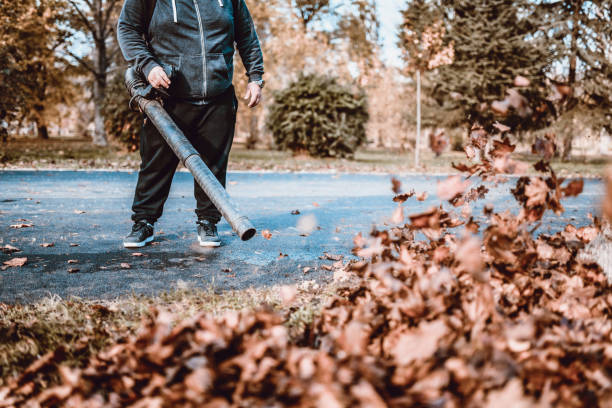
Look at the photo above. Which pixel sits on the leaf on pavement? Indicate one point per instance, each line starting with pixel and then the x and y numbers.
pixel 9 249
pixel 16 262
pixel 22 225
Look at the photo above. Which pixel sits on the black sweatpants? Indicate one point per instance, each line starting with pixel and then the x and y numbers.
pixel 210 128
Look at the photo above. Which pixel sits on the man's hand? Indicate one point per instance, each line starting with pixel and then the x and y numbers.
pixel 158 78
pixel 253 94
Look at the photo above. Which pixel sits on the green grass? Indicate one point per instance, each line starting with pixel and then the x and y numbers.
pixel 81 154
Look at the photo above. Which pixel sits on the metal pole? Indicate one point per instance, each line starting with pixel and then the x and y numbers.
pixel 189 156
pixel 418 118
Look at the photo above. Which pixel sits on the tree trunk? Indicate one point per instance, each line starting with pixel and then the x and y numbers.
pixel 41 124
pixel 418 120
pixel 253 131
pixel 567 149
pixel 99 133
pixel 43 132
pixel 573 47
pixel 99 93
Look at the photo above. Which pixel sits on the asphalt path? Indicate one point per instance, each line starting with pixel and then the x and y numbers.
pixel 85 215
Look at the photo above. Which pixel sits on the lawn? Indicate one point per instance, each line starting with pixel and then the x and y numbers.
pixel 81 154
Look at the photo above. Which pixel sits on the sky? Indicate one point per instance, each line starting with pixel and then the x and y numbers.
pixel 390 18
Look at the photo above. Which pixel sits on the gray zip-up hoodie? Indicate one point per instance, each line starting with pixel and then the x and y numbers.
pixel 196 37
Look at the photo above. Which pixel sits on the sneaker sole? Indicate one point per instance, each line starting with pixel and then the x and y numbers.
pixel 138 244
pixel 209 243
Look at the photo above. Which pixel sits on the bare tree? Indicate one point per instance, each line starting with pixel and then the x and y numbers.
pixel 97 20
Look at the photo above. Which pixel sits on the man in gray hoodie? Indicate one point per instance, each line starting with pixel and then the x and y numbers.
pixel 187 48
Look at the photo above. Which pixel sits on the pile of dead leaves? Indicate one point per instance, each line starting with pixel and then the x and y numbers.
pixel 466 317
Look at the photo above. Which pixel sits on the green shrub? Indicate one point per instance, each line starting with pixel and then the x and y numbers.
pixel 121 123
pixel 320 116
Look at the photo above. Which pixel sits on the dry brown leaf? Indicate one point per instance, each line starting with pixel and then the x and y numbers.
pixel 22 225
pixel 451 187
pixel 14 262
pixel 9 249
pixel 398 215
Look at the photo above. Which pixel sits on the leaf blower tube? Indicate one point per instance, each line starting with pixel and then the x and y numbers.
pixel 145 97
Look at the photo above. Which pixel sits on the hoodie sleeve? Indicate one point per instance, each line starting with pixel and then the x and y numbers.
pixel 131 37
pixel 247 42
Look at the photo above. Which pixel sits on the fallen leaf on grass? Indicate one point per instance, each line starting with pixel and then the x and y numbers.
pixel 19 226
pixel 417 344
pixel 288 294
pixel 47 245
pixel 125 265
pixel 16 262
pixel 73 261
pixel 501 127
pixel 266 234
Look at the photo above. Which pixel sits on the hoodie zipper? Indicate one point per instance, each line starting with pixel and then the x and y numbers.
pixel 203 44
pixel 174 10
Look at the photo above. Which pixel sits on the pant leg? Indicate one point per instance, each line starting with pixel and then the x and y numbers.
pixel 212 138
pixel 158 165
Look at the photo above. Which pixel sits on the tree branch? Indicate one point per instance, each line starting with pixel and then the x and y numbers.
pixel 84 19
pixel 110 6
pixel 83 63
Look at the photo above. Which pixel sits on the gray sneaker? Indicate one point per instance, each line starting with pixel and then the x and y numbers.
pixel 207 234
pixel 141 235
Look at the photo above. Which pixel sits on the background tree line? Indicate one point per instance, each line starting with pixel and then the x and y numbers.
pixel 60 65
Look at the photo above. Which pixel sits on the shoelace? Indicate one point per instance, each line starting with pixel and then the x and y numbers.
pixel 208 227
pixel 139 226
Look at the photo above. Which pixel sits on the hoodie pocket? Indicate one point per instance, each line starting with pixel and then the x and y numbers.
pixel 218 74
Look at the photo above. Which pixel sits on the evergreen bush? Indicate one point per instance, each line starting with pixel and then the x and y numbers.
pixel 121 123
pixel 316 114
